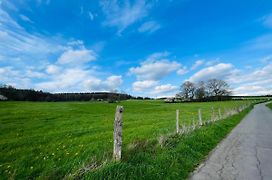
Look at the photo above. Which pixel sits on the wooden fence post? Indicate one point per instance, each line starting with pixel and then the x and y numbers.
pixel 200 117
pixel 177 121
pixel 117 135
pixel 194 126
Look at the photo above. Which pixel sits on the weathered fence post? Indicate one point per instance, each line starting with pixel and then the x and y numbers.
pixel 194 126
pixel 117 135
pixel 177 121
pixel 200 117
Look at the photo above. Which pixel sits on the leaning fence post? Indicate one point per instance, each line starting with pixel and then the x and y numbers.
pixel 200 117
pixel 117 135
pixel 177 121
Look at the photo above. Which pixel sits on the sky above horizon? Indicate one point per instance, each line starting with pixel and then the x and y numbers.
pixel 143 48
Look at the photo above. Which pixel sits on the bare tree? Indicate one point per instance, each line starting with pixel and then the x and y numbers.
pixel 187 90
pixel 200 91
pixel 217 87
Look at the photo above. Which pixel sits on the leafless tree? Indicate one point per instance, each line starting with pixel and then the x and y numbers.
pixel 217 87
pixel 200 91
pixel 187 90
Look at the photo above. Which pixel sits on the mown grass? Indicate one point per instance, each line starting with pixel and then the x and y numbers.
pixel 55 140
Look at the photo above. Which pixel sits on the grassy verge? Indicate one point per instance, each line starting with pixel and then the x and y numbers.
pixel 175 158
pixel 269 105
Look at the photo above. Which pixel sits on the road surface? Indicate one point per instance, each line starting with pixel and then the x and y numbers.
pixel 245 154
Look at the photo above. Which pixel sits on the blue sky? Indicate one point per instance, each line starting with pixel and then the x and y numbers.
pixel 145 48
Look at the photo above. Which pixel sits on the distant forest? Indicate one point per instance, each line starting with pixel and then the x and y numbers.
pixel 13 94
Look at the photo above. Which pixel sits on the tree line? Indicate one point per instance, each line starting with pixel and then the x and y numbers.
pixel 210 90
pixel 14 94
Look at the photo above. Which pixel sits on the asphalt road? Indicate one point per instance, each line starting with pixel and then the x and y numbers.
pixel 245 154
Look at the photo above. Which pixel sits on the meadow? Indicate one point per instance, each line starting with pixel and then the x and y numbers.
pixel 48 140
pixel 269 105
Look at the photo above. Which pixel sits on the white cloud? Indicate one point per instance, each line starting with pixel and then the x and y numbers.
pixel 17 43
pixel 143 85
pixel 81 56
pixel 167 88
pixel 197 64
pixel 243 82
pixel 263 43
pixel 220 71
pixel 247 90
pixel 25 18
pixel 91 15
pixel 77 80
pixel 149 27
pixel 52 69
pixel 155 67
pixel 123 14
pixel 182 71
pixel 267 20
pixel 13 77
pixel 68 73
pixel 267 59
pixel 34 74
pixel 113 82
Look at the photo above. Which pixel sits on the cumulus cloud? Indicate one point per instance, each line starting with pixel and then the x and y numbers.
pixel 247 90
pixel 143 85
pixel 52 69
pixel 243 82
pixel 123 14
pixel 155 67
pixel 77 80
pixel 13 77
pixel 80 56
pixel 220 71
pixel 166 88
pixel 149 27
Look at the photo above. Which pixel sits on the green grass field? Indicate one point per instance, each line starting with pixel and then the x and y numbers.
pixel 269 105
pixel 54 140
